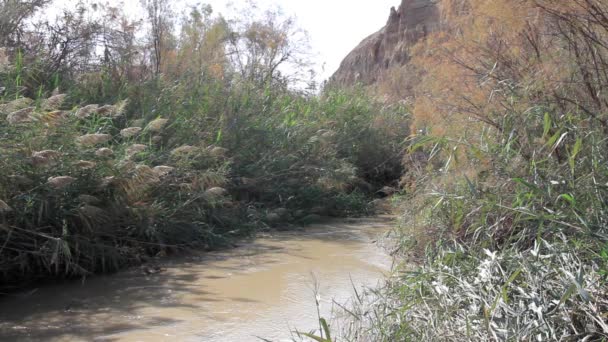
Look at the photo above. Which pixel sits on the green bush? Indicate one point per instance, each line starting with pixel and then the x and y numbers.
pixel 513 252
pixel 95 188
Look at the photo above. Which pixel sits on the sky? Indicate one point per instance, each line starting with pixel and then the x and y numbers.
pixel 335 27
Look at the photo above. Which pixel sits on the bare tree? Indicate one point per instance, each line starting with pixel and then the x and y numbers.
pixel 122 51
pixel 13 14
pixel 266 48
pixel 582 26
pixel 159 17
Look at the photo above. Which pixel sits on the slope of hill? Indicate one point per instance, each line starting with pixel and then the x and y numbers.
pixel 388 48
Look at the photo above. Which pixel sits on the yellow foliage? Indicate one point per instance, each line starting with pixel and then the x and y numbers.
pixel 464 71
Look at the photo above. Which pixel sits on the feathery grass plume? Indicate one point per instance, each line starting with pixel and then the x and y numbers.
pixel 120 108
pixel 162 170
pixel 186 187
pixel 93 212
pixel 15 105
pixel 60 182
pixel 45 158
pixel 130 132
pixel 218 151
pixel 53 103
pixel 135 190
pixel 185 149
pixel 87 111
pixel 52 118
pixel 137 187
pixel 157 125
pixel 104 152
pixel 326 135
pixel 216 193
pixel 107 110
pixel 135 149
pixel 84 164
pixel 107 182
pixel 93 139
pixel 21 116
pixel 146 174
pixel 126 165
pixel 4 208
pixel 88 199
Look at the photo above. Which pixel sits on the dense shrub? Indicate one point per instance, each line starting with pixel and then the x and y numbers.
pixel 504 227
pixel 121 140
pixel 89 188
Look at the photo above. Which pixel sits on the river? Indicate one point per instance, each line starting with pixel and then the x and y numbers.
pixel 264 288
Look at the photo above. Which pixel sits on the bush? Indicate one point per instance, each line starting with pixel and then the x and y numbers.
pixel 93 188
pixel 504 228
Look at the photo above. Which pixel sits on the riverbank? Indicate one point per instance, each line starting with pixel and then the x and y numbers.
pixel 75 203
pixel 103 167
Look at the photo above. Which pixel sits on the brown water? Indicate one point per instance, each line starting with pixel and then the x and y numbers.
pixel 262 289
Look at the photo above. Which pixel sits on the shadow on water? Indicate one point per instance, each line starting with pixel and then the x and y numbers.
pixel 75 309
pixel 189 287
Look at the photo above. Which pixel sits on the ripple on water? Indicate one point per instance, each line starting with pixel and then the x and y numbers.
pixel 264 288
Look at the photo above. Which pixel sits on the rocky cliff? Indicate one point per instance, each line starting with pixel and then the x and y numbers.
pixel 369 62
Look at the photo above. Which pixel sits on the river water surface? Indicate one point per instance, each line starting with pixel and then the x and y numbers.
pixel 264 288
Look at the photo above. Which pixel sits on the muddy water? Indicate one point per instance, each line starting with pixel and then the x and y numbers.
pixel 263 289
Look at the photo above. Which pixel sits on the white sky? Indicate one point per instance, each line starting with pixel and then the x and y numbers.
pixel 335 26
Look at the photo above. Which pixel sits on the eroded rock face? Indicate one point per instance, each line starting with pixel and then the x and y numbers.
pixel 388 48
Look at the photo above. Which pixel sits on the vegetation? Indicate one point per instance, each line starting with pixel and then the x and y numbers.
pixel 504 227
pixel 122 140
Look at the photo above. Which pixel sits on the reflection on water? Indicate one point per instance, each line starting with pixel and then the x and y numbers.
pixel 263 289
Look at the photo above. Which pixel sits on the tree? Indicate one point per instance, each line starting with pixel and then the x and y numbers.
pixel 122 51
pixel 202 46
pixel 159 15
pixel 268 48
pixel 13 14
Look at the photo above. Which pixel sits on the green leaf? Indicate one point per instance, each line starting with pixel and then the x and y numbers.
pixel 472 187
pixel 325 328
pixel 568 198
pixel 568 294
pixel 421 142
pixel 528 185
pixel 511 279
pixel 218 138
pixel 579 282
pixel 314 337
pixel 547 124
pixel 577 148
pixel 554 138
